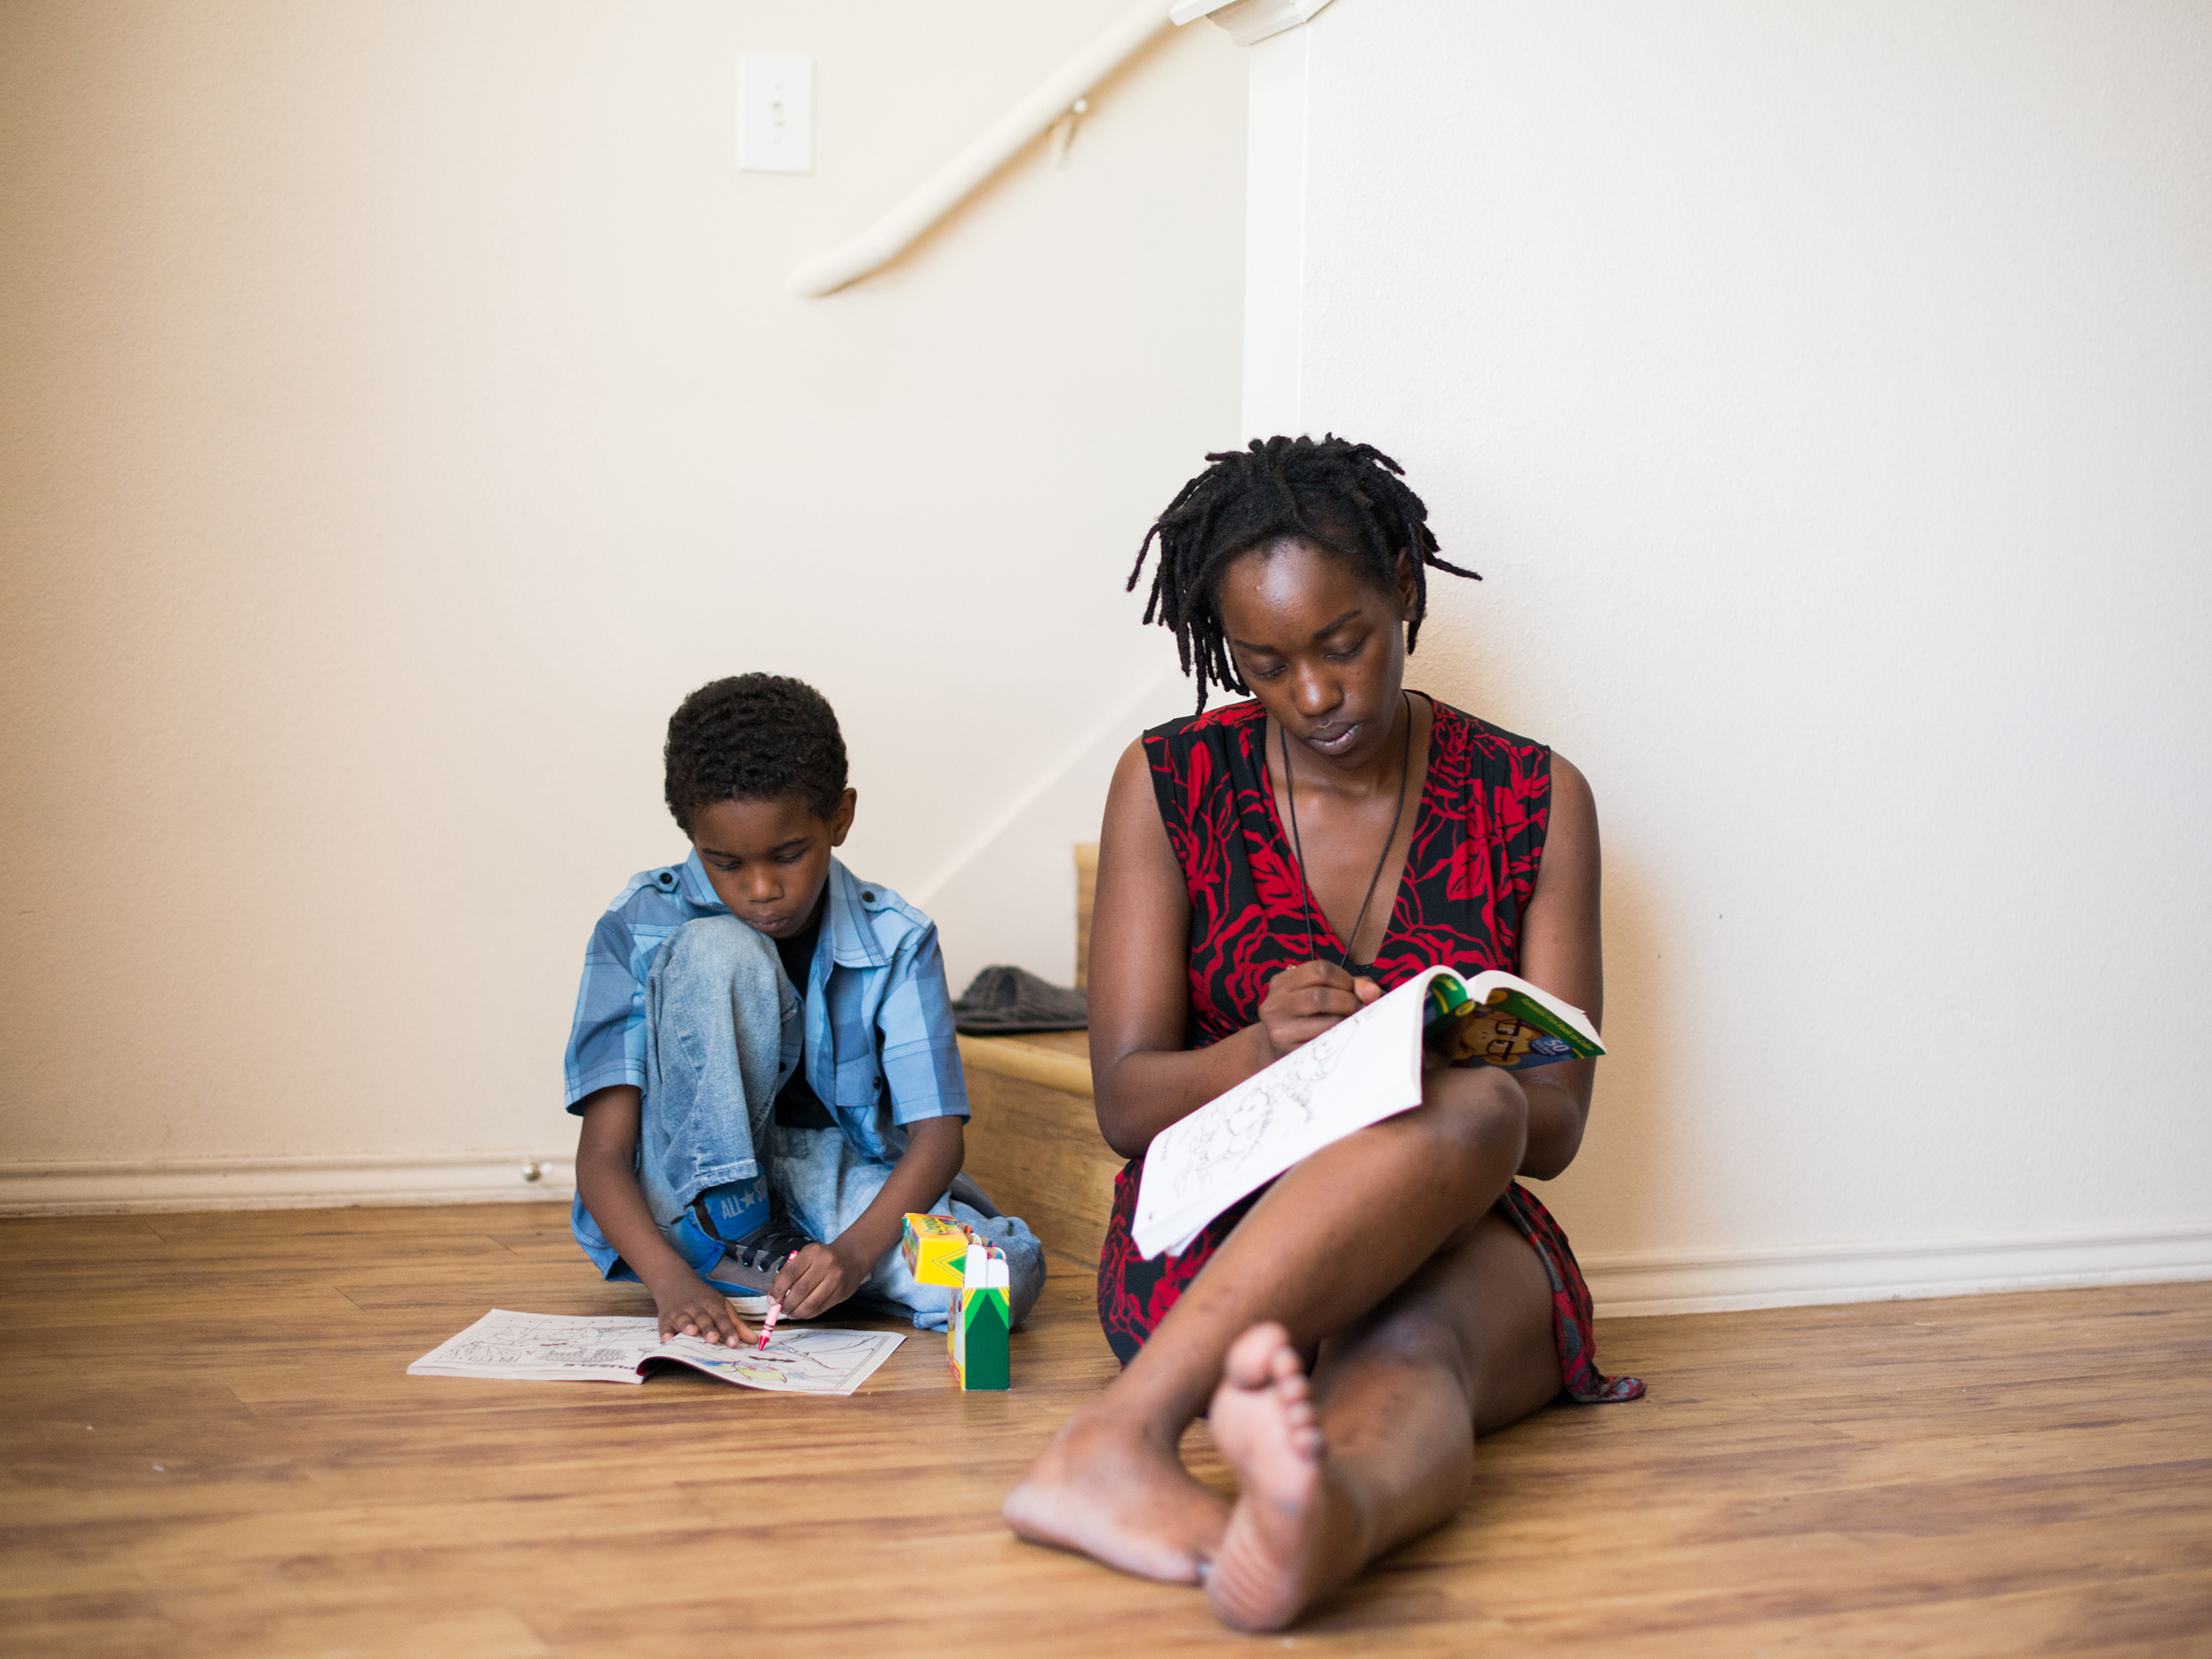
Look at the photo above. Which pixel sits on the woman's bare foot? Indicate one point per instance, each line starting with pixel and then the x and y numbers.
pixel 1290 1537
pixel 1106 1490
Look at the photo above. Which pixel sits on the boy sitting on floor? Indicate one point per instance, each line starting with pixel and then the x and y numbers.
pixel 764 1052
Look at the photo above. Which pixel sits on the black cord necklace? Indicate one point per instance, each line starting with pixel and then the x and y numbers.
pixel 1298 846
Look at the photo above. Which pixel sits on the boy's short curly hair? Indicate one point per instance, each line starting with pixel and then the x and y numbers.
pixel 754 737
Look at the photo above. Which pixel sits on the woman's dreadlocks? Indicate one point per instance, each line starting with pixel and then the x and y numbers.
pixel 1350 498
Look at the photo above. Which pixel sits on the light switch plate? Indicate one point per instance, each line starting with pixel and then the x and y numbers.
pixel 776 113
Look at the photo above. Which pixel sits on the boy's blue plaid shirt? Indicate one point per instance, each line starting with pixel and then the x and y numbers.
pixel 878 1020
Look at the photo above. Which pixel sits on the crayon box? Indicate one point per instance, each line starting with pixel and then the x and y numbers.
pixel 934 1248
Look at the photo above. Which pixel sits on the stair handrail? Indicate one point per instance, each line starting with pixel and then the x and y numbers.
pixel 946 188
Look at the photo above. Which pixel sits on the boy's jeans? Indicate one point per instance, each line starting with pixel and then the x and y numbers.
pixel 723 1031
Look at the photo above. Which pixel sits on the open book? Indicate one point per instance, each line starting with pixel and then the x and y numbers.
pixel 526 1347
pixel 1358 1072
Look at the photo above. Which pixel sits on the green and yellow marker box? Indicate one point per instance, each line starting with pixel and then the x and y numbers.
pixel 981 1322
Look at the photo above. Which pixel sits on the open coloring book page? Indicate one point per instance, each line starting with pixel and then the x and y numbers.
pixel 1353 1075
pixel 526 1347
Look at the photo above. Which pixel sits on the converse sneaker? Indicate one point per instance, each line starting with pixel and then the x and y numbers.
pixel 749 1268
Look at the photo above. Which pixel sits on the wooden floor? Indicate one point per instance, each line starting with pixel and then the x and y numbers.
pixel 211 1448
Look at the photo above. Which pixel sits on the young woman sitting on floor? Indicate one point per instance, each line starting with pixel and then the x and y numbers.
pixel 1265 869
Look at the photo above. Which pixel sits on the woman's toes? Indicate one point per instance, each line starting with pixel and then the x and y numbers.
pixel 1254 1359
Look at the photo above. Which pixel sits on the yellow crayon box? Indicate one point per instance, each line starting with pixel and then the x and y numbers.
pixel 935 1250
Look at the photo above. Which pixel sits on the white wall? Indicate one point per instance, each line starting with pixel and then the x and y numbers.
pixel 404 412
pixel 1826 394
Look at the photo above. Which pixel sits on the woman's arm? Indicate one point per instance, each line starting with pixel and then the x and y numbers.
pixel 1142 1076
pixel 1560 951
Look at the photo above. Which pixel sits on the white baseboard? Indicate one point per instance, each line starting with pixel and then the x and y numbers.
pixel 1624 1286
pixel 90 1188
pixel 1716 1281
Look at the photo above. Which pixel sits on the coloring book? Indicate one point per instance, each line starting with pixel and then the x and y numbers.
pixel 1358 1071
pixel 527 1348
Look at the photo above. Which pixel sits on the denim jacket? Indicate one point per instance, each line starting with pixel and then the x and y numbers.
pixel 877 1037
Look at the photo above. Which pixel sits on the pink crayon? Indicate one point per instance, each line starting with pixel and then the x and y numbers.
pixel 774 1313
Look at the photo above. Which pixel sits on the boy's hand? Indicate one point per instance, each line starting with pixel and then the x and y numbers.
pixel 817 1278
pixel 606 1176
pixel 698 1309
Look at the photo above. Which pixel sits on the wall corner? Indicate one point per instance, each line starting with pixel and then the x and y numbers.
pixel 1275 187
pixel 1249 21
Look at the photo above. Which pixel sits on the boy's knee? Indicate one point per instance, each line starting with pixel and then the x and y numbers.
pixel 719 948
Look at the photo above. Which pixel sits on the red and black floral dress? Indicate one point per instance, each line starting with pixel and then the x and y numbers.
pixel 1478 839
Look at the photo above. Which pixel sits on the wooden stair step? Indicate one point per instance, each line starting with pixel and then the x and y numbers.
pixel 1033 1141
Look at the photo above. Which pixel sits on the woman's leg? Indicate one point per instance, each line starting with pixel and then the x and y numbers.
pixel 1381 1446
pixel 1326 1244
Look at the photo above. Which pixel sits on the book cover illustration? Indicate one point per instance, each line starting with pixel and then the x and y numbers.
pixel 1507 1027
